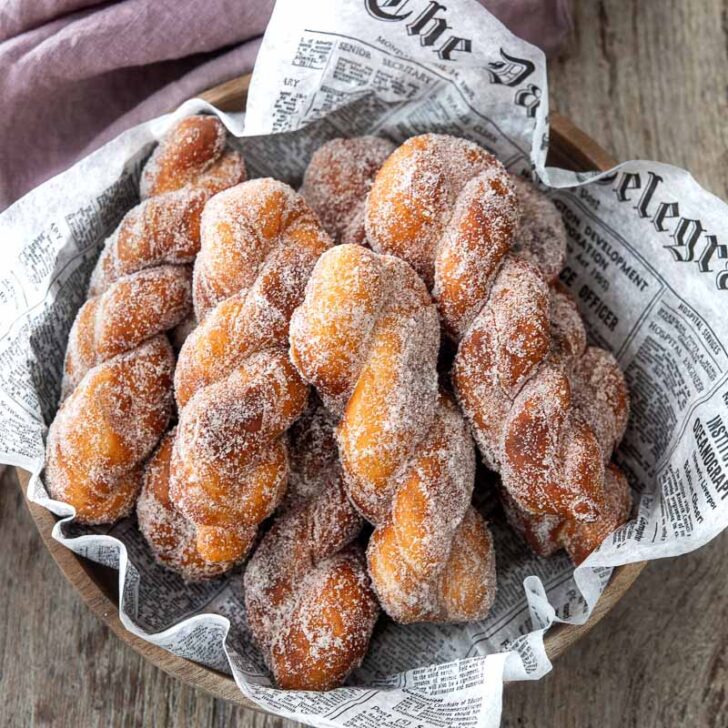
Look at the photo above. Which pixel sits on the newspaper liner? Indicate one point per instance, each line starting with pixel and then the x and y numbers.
pixel 646 265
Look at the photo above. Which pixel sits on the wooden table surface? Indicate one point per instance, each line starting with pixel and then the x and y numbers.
pixel 645 79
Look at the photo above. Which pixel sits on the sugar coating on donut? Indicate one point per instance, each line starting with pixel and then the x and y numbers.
pixel 463 591
pixel 580 539
pixel 501 351
pixel 328 634
pixel 312 452
pixel 568 335
pixel 540 532
pixel 229 464
pixel 192 152
pixel 602 396
pixel 448 208
pixel 337 181
pixel 241 228
pixel 546 411
pixel 541 236
pixel 130 311
pixel 431 561
pixel 161 230
pixel 237 391
pixel 106 428
pixel 308 600
pixel 552 462
pixel 366 336
pixel 434 492
pixel 271 268
pixel 171 537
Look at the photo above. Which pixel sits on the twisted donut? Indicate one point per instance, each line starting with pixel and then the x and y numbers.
pixel 118 369
pixel 105 430
pixel 189 165
pixel 170 535
pixel 236 389
pixel 452 211
pixel 193 153
pixel 366 336
pixel 308 598
pixel 337 180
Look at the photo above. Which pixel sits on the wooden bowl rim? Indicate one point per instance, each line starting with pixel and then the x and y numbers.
pixel 573 147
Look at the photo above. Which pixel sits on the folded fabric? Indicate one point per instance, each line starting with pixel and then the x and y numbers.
pixel 75 73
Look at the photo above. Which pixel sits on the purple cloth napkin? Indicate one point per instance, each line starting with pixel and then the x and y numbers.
pixel 75 73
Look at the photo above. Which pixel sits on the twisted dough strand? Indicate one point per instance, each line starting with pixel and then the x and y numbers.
pixel 367 337
pixel 547 534
pixel 106 428
pixel 308 597
pixel 194 153
pixel 237 391
pixel 552 434
pixel 132 310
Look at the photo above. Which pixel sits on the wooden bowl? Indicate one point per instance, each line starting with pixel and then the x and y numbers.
pixel 98 585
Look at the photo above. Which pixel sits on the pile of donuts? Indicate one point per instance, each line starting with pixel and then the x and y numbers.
pixel 297 382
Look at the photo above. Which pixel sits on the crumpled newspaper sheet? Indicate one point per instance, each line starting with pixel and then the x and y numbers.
pixel 647 266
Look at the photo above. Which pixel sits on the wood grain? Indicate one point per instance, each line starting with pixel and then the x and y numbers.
pixel 631 670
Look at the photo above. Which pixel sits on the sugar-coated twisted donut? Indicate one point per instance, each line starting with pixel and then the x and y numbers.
pixel 308 597
pixel 452 211
pixel 236 389
pixel 106 428
pixel 95 448
pixel 433 560
pixel 171 537
pixel 193 153
pixel 367 337
pixel 448 208
pixel 189 165
pixel 337 180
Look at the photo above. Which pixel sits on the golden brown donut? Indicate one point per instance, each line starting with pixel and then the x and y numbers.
pixel 433 559
pixel 170 535
pixel 236 389
pixel 133 309
pixel 308 598
pixel 449 209
pixel 337 180
pixel 162 230
pixel 105 430
pixel 93 454
pixel 366 336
